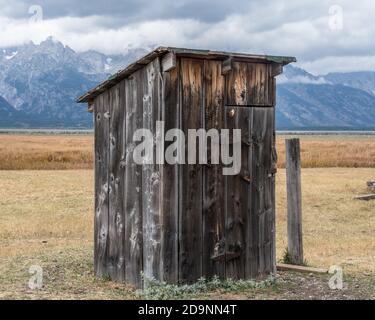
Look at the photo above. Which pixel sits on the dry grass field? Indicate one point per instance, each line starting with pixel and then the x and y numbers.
pixel 47 220
pixel 45 152
pixel 352 151
pixel 57 152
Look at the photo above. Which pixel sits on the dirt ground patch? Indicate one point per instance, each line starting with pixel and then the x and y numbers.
pixel 68 274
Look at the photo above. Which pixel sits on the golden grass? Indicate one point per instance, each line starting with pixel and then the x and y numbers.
pixel 57 152
pixel 332 151
pixel 45 152
pixel 46 218
pixel 337 230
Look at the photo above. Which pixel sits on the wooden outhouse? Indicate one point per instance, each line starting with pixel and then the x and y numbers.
pixel 179 222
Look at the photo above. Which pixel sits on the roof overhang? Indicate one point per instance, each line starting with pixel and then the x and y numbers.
pixel 161 51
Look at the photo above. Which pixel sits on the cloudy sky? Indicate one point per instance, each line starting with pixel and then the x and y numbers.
pixel 324 35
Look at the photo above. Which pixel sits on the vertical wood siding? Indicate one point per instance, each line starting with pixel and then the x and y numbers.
pixel 116 214
pixel 261 227
pixel 190 210
pixel 133 182
pixel 237 196
pixel 170 180
pixel 102 115
pixel 213 237
pixel 249 84
pixel 177 223
pixel 151 176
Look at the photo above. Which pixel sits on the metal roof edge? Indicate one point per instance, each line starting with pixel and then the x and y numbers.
pixel 281 59
pixel 122 74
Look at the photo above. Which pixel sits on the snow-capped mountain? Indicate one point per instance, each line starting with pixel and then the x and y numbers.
pixel 39 85
pixel 42 81
pixel 339 100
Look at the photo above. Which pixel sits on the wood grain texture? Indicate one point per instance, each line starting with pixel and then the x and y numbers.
pixel 237 196
pixel 272 191
pixel 190 211
pixel 291 267
pixel 294 199
pixel 174 222
pixel 213 179
pixel 365 197
pixel 269 187
pixel 260 255
pixel 170 181
pixel 249 84
pixel 151 176
pixel 116 215
pixel 102 115
pixel 133 182
pixel 169 62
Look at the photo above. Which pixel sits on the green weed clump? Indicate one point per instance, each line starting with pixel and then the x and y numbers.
pixel 157 290
pixel 287 259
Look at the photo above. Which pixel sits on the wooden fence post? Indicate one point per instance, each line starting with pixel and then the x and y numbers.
pixel 293 178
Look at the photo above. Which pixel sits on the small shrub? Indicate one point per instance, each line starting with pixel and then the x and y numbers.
pixel 287 259
pixel 156 290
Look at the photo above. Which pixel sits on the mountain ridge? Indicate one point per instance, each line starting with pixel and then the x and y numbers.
pixel 39 84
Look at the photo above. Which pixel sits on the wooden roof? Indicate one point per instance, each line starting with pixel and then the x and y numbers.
pixel 160 51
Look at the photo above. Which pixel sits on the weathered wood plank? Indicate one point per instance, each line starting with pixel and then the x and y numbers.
pixel 269 199
pixel 101 113
pixel 294 199
pixel 272 91
pixel 133 182
pixel 170 181
pixel 236 85
pixel 260 246
pixel 190 211
pixel 213 179
pixel 291 267
pixel 116 213
pixel 248 84
pixel 276 69
pixel 177 223
pixel 169 62
pixel 237 196
pixel 151 176
pixel 227 66
pixel 252 230
pixel 365 197
pixel 273 192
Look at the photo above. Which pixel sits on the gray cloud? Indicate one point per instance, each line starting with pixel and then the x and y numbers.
pixel 285 27
pixel 130 10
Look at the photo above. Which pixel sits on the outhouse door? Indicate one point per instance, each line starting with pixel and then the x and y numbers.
pixel 226 223
pixel 249 229
pixel 249 195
